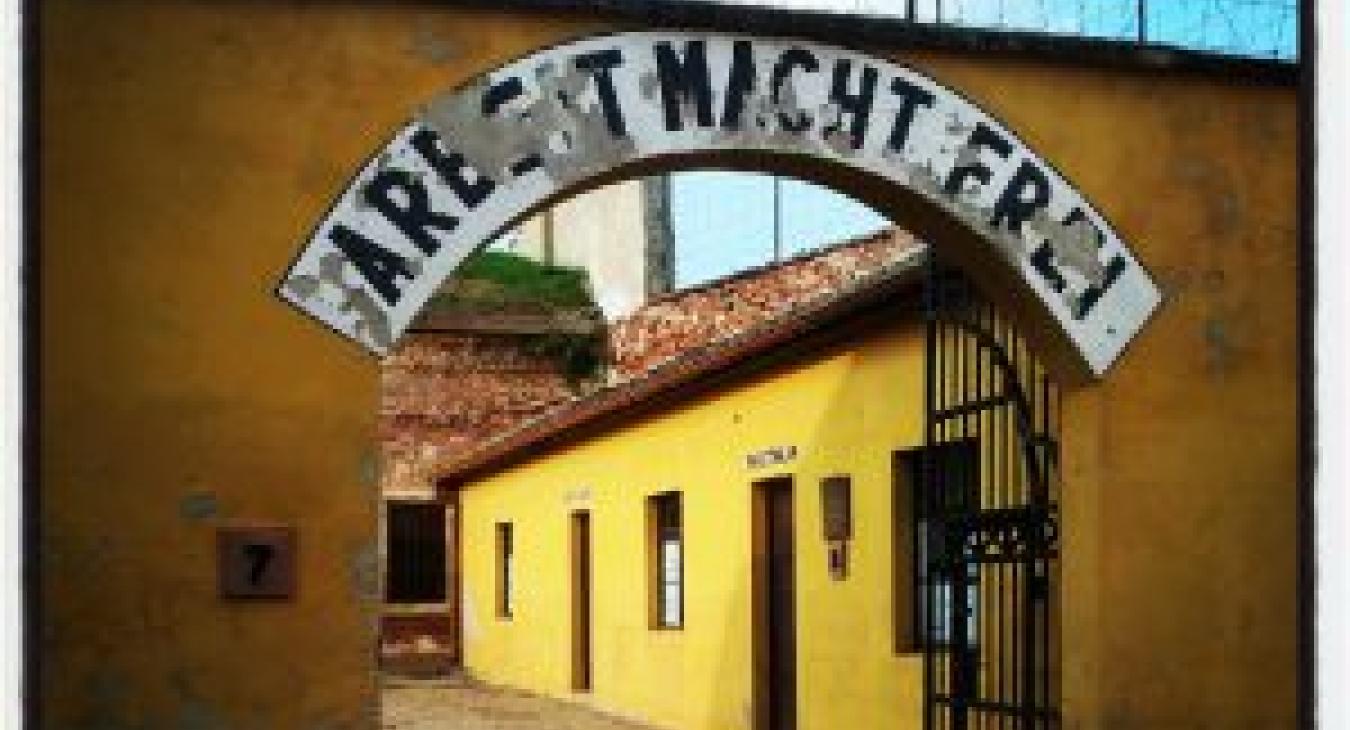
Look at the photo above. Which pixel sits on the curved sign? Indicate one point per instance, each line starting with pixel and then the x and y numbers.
pixel 478 156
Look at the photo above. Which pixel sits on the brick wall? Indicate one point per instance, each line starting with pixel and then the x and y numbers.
pixel 444 392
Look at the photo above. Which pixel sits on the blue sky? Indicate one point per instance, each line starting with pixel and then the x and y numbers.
pixel 723 221
pixel 1264 28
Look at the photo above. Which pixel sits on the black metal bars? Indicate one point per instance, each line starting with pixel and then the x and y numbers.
pixel 987 515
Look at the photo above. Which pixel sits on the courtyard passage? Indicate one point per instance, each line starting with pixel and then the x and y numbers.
pixel 458 703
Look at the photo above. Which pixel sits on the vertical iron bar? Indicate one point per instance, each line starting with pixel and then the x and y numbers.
pixel 997 441
pixel 1028 634
pixel 1051 459
pixel 925 517
pixel 982 607
pixel 1141 21
pixel 955 537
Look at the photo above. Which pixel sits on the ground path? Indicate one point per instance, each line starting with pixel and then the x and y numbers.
pixel 457 703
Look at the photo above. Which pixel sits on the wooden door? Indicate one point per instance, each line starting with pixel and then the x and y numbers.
pixel 581 601
pixel 775 625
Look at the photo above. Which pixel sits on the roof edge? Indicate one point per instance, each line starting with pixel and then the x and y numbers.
pixel 672 376
pixel 898 33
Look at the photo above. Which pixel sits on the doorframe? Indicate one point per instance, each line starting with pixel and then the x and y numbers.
pixel 760 631
pixel 581 566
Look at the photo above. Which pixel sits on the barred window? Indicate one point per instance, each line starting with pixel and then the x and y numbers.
pixel 918 540
pixel 415 572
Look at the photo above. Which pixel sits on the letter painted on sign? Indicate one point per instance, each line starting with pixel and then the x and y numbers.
pixel 478 157
pixel 791 59
pixel 684 80
pixel 857 105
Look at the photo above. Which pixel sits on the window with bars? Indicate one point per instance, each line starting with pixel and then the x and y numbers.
pixel 666 559
pixel 416 568
pixel 918 537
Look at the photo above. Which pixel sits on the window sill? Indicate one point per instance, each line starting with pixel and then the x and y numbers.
pixel 413 609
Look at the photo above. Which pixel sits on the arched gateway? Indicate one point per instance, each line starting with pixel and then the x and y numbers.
pixel 479 157
pixel 183 152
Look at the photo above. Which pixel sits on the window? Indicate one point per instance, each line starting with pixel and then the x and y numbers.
pixel 505 571
pixel 415 539
pixel 665 549
pixel 918 539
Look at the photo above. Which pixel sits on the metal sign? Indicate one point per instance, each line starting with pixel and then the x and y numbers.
pixel 477 157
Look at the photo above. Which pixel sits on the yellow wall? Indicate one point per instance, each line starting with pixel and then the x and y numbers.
pixel 845 412
pixel 187 149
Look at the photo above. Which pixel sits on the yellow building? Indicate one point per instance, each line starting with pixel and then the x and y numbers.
pixel 677 548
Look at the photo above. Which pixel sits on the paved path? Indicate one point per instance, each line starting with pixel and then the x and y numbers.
pixel 461 704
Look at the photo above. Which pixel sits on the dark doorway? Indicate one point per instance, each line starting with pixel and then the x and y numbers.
pixel 775 622
pixel 581 601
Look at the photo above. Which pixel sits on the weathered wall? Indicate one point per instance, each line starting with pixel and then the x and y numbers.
pixel 443 393
pixel 188 148
pixel 699 677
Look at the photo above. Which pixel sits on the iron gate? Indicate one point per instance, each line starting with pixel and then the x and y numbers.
pixel 987 519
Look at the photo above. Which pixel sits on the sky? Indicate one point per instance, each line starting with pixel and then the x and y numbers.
pixel 723 221
pixel 1263 28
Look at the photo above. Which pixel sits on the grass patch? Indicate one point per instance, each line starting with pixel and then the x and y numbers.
pixel 493 279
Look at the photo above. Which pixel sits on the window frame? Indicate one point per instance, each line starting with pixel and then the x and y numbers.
pixel 660 528
pixel 406 564
pixel 506 570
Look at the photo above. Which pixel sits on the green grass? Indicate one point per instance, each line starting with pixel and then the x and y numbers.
pixel 496 282
pixel 496 278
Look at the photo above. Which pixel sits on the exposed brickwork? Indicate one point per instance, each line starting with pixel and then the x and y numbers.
pixel 417 643
pixel 442 393
pixel 674 324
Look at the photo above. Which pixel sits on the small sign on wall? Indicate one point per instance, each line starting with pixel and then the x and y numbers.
pixel 836 512
pixel 772 456
pixel 836 509
pixel 256 561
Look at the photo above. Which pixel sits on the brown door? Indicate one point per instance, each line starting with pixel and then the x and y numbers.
pixel 581 601
pixel 775 622
pixel 453 585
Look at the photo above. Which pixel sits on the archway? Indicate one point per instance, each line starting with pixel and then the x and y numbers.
pixel 564 118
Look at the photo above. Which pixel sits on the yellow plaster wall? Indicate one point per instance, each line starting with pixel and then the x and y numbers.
pixel 1180 466
pixel 187 149
pixel 699 676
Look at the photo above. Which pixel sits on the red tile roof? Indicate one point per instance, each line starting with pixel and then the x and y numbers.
pixel 689 335
pixel 671 325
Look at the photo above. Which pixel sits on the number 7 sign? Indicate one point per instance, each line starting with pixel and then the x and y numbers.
pixel 256 561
